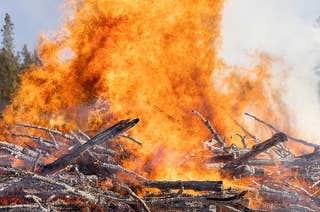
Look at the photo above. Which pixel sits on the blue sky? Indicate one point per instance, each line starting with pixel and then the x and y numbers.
pixel 31 17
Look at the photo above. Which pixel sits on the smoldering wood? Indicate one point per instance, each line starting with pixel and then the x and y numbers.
pixel 256 150
pixel 278 195
pixel 109 133
pixel 193 185
pixel 244 171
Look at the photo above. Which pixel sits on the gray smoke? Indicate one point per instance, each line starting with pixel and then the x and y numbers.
pixel 289 31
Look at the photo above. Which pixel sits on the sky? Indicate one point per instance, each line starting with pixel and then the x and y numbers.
pixel 285 29
pixel 30 18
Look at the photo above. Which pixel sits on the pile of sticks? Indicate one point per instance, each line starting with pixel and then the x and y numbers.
pixel 284 181
pixel 86 174
pixel 72 171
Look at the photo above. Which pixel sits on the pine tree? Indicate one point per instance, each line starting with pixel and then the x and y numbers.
pixel 36 59
pixel 7 34
pixel 9 66
pixel 27 58
pixel 9 81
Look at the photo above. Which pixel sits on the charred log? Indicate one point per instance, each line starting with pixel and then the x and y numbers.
pixel 67 159
pixel 256 150
pixel 193 185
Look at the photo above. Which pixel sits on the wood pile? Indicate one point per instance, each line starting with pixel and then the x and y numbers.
pixel 90 176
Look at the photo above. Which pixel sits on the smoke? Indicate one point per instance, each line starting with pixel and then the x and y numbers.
pixel 287 30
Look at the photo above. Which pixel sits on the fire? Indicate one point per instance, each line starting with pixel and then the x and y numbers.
pixel 156 60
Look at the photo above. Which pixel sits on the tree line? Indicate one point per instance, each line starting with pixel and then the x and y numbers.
pixel 12 64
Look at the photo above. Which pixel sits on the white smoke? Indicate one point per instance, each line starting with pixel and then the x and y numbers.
pixel 286 29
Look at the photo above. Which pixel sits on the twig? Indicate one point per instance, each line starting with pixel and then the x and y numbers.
pixel 243 140
pixel 84 134
pixel 119 168
pixel 36 162
pixel 19 207
pixel 297 188
pixel 45 141
pixel 55 132
pixel 315 184
pixel 144 205
pixel 18 151
pixel 76 137
pixel 124 135
pixel 54 140
pixel 38 201
pixel 216 136
pixel 246 131
pixel 94 198
pixel 277 130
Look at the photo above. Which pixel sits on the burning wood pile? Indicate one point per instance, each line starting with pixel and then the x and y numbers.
pixel 87 173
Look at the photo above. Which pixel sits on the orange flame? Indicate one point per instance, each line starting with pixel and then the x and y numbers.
pixel 156 60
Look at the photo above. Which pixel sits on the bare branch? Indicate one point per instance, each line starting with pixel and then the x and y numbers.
pixel 144 205
pixel 243 140
pixel 38 201
pixel 55 132
pixel 18 151
pixel 84 134
pixel 216 136
pixel 246 131
pixel 277 130
pixel 124 135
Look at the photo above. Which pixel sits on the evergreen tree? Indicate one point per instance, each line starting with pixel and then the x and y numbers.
pixel 9 69
pixel 27 57
pixel 36 59
pixel 7 34
pixel 9 66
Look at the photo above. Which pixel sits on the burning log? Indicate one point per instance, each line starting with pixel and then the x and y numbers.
pixel 278 195
pixel 191 203
pixel 192 185
pixel 109 133
pixel 257 149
